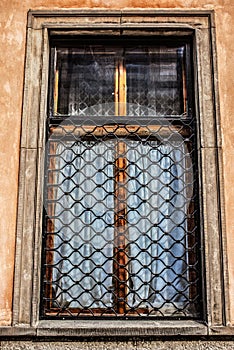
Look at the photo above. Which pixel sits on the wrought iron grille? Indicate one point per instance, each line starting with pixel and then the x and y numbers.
pixel 120 226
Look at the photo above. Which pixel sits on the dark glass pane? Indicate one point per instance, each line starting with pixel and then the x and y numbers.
pixel 86 81
pixel 155 81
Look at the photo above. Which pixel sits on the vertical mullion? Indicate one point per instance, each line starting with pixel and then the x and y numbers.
pixel 120 226
pixel 120 195
pixel 122 88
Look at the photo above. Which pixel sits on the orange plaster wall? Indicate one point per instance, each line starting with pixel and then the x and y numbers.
pixel 225 48
pixel 13 17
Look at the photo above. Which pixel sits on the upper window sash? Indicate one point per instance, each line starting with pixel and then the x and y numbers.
pixel 138 81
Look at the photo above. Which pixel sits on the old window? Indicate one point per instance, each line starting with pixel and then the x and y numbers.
pixel 120 226
pixel 131 116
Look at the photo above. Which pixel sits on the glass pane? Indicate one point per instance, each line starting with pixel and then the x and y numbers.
pixel 85 81
pixel 155 81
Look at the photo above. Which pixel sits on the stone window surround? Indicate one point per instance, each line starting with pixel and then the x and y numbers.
pixel 26 296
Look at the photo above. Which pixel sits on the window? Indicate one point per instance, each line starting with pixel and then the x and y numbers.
pixel 179 49
pixel 120 233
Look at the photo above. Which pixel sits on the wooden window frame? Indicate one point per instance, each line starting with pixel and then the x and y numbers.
pixel 120 273
pixel 197 24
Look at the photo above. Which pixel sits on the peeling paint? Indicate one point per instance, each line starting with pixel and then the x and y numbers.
pixel 9 21
pixel 7 87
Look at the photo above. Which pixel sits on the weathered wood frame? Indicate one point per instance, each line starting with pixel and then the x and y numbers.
pixel 200 25
pixel 120 223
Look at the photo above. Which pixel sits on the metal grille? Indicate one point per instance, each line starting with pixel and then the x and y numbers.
pixel 120 225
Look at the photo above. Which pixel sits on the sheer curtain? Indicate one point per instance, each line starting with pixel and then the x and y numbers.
pixel 156 219
pixel 157 204
pixel 84 224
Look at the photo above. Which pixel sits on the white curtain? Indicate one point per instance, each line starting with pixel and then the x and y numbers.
pixel 157 225
pixel 85 225
pixel 156 219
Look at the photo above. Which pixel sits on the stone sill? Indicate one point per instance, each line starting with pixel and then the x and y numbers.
pixel 90 328
pixel 116 329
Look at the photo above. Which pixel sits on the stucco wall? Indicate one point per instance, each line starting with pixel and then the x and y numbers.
pixel 13 17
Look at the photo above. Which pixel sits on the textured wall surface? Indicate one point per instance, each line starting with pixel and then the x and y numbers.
pixel 13 17
pixel 130 345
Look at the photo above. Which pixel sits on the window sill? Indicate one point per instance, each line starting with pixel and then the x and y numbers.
pixel 116 329
pixel 119 328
